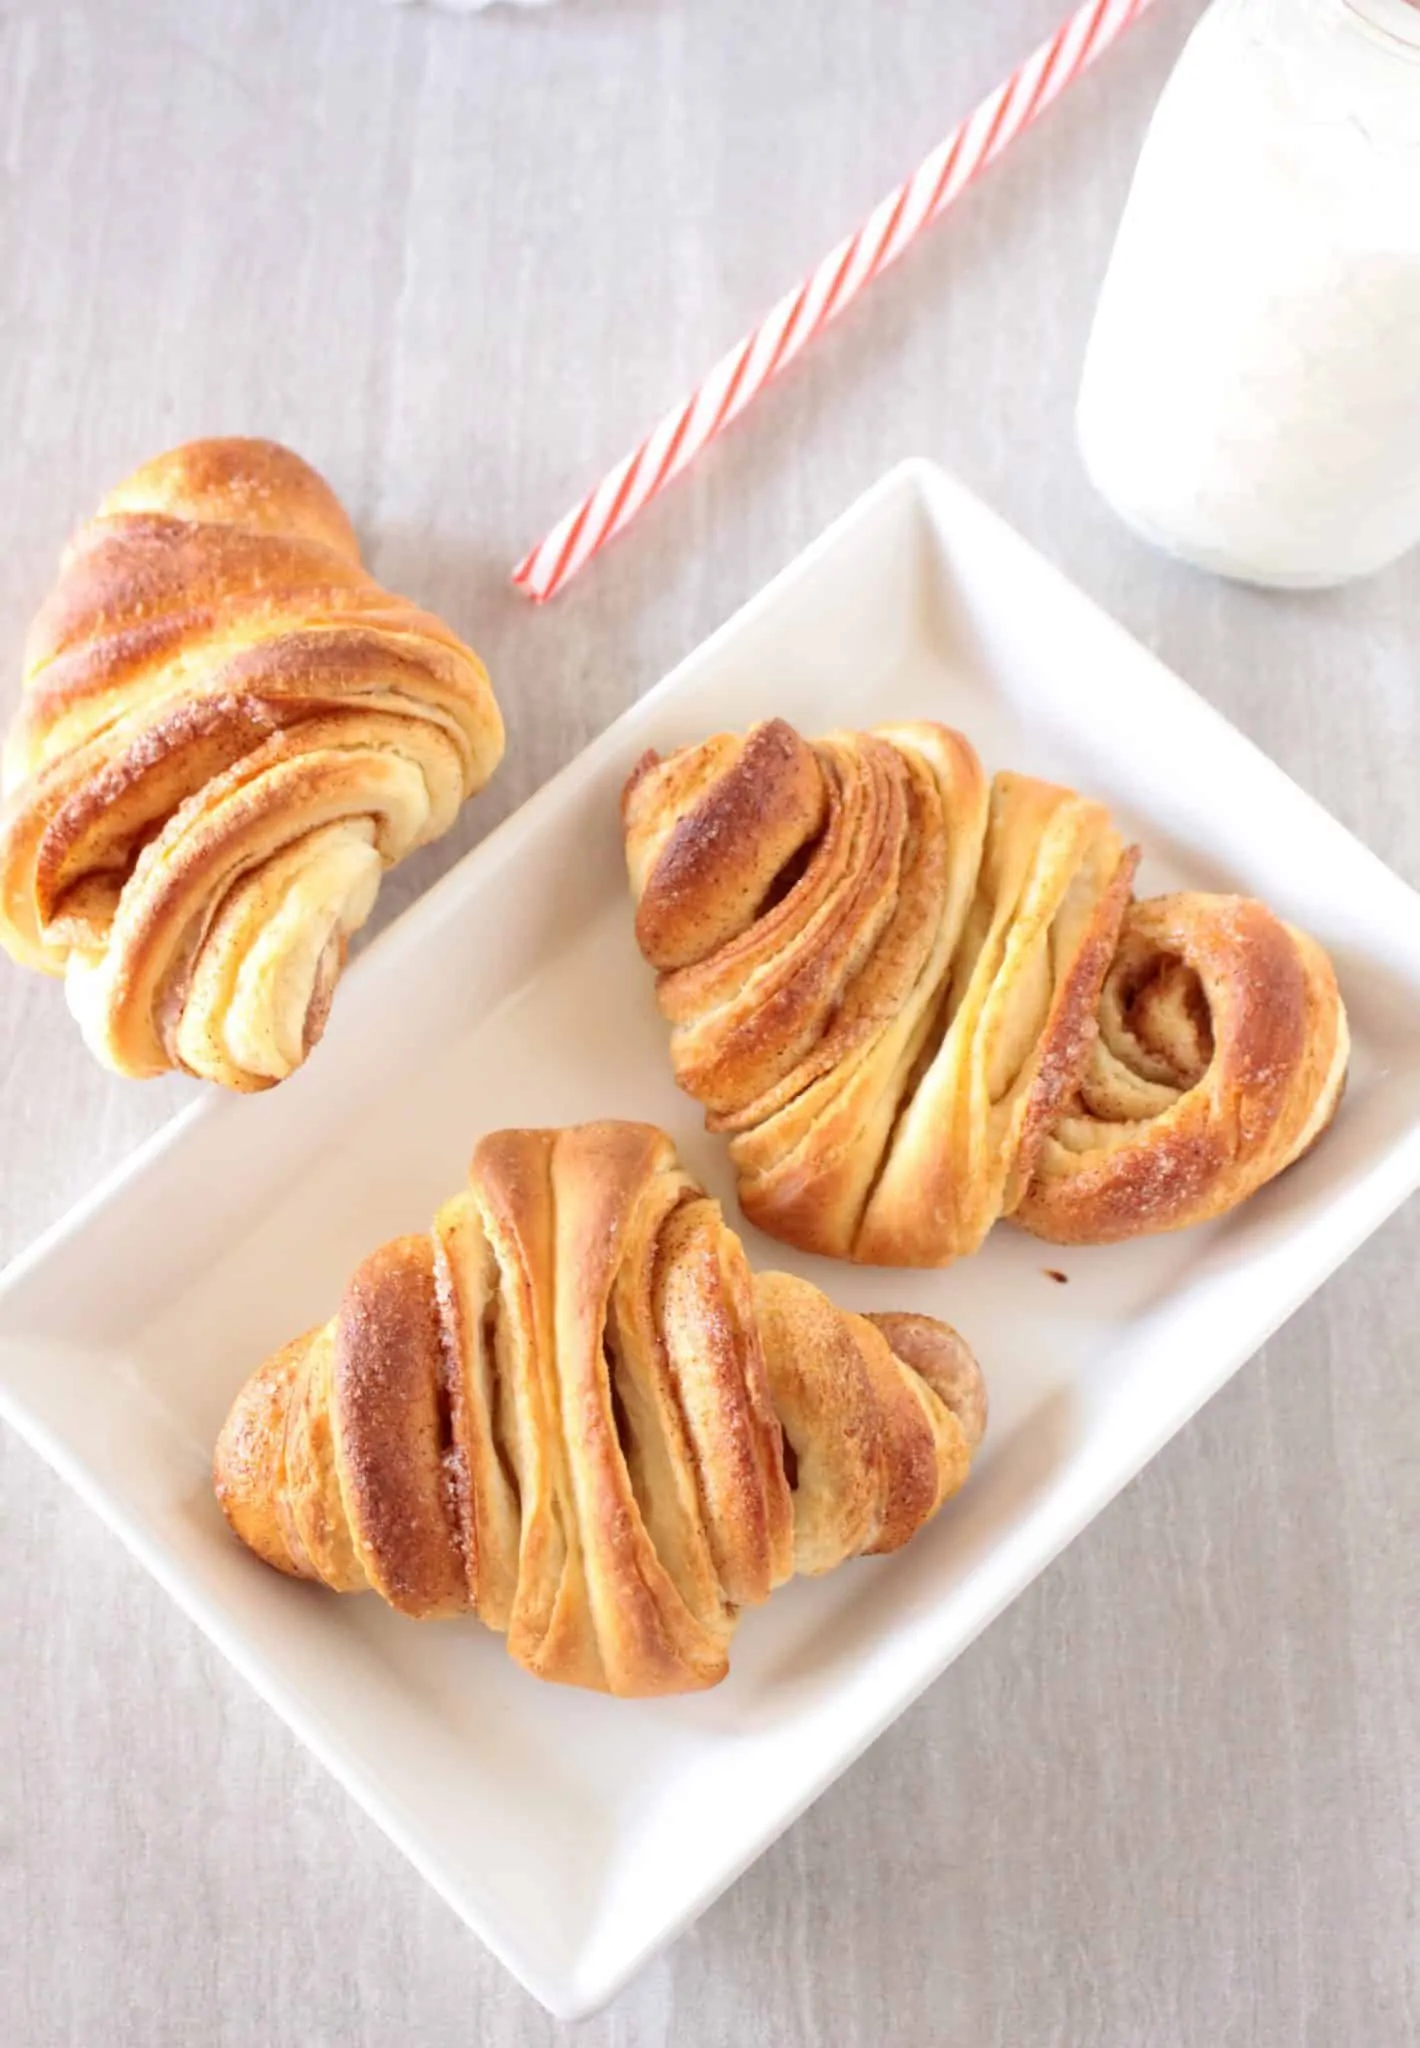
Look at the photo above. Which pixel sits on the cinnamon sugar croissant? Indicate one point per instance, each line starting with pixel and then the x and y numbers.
pixel 573 1412
pixel 918 1000
pixel 228 732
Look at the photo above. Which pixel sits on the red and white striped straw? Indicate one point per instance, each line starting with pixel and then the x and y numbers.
pixel 894 223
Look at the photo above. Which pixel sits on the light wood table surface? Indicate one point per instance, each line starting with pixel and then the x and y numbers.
pixel 1171 1798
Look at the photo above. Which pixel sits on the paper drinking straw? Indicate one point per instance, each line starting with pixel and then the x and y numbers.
pixel 894 223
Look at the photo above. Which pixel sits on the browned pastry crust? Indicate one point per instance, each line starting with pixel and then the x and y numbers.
pixel 572 1411
pixel 1220 1058
pixel 228 731
pixel 918 1001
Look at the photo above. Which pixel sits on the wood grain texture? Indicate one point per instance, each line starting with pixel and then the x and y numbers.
pixel 1171 1798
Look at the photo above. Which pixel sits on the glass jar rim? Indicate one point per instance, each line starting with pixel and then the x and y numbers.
pixel 1396 22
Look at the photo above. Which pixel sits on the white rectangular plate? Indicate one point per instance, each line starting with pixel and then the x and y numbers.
pixel 576 1834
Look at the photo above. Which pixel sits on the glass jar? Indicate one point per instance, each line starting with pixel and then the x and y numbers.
pixel 1251 390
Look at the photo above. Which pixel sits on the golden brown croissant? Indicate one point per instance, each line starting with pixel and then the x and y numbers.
pixel 572 1411
pixel 918 1000
pixel 228 732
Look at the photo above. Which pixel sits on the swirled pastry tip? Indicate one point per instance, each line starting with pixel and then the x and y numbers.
pixel 228 732
pixel 917 1000
pixel 1220 1058
pixel 571 1411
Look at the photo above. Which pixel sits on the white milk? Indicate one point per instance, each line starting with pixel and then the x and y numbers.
pixel 1251 391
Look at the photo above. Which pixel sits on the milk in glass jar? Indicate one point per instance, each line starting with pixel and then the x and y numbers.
pixel 1251 391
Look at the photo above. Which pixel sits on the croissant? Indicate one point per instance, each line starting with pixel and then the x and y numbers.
pixel 571 1411
pixel 228 732
pixel 918 1000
